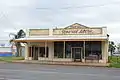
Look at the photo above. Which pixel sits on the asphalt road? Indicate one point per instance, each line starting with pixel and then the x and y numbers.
pixel 15 71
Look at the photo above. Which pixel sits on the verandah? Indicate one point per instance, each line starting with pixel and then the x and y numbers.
pixel 63 49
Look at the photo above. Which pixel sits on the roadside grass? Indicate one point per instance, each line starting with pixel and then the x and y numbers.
pixel 10 59
pixel 114 61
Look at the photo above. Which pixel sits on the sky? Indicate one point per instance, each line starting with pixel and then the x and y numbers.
pixel 24 14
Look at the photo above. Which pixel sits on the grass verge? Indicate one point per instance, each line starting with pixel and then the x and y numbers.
pixel 10 59
pixel 114 61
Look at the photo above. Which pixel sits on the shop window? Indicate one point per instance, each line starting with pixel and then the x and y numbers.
pixel 68 50
pixel 58 49
pixel 42 52
pixel 38 51
pixel 93 50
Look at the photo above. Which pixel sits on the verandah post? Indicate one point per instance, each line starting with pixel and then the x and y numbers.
pixel 64 50
pixel 84 50
pixel 45 48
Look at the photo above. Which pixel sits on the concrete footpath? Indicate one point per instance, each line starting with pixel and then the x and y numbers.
pixel 62 63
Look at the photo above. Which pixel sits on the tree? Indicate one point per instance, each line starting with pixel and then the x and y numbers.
pixel 20 34
pixel 118 47
pixel 111 47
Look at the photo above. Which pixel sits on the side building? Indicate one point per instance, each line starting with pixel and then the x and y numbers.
pixel 5 48
pixel 72 43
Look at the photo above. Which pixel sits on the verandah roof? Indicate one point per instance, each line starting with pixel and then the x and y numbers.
pixel 61 38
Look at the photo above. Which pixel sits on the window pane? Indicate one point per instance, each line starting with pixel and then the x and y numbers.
pixel 58 49
pixel 93 50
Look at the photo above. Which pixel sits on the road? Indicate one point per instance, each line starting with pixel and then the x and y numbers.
pixel 16 71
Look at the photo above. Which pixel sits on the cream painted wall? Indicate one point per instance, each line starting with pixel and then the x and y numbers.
pixel 104 32
pixel 50 32
pixel 41 44
pixel 105 51
pixel 26 51
pixel 27 32
pixel 51 49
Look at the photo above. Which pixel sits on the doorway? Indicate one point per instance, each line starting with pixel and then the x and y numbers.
pixel 76 53
pixel 35 53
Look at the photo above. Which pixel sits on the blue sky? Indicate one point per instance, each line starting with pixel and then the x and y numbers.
pixel 23 14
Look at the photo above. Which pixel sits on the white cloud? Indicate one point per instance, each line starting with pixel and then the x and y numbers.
pixel 19 14
pixel 16 3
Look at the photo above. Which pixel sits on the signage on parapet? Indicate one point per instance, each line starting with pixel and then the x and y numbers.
pixel 77 31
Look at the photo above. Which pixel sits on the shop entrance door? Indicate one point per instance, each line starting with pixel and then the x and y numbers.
pixel 77 53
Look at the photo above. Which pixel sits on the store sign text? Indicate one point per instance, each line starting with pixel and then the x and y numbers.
pixel 78 31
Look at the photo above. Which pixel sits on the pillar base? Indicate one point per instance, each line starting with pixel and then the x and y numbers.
pixel 26 58
pixel 30 58
pixel 102 61
pixel 83 60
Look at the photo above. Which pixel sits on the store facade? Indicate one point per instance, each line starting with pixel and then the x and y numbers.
pixel 76 43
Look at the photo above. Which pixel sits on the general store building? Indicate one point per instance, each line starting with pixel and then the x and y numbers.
pixel 76 43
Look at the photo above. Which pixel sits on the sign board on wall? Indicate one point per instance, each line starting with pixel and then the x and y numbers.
pixel 81 31
pixel 38 32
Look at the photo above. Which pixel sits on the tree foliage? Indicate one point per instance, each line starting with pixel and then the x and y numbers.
pixel 112 47
pixel 20 34
pixel 118 47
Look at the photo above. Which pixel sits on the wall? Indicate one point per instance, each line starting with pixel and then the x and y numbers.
pixel 5 48
pixel 5 51
pixel 69 31
pixel 51 49
pixel 105 51
pixel 37 32
pixel 90 31
pixel 41 44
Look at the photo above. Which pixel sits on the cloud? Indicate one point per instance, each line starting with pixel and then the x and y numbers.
pixel 22 14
